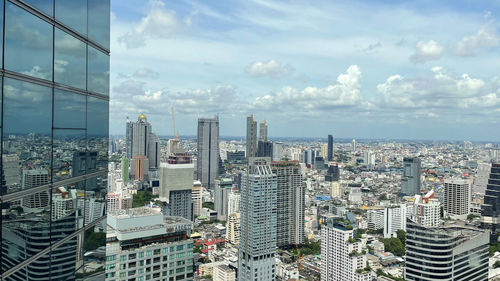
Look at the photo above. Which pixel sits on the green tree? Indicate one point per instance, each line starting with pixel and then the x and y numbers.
pixel 394 246
pixel 142 198
pixel 401 234
pixel 209 205
pixel 382 197
pixel 93 240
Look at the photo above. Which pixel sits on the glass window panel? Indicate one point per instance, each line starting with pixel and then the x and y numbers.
pixel 46 6
pixel 95 199
pixel 66 218
pixel 69 109
pixel 26 232
pixel 97 130
pixel 69 60
pixel 27 134
pixel 73 13
pixel 98 75
pixel 28 43
pixel 99 22
pixel 94 253
pixel 69 154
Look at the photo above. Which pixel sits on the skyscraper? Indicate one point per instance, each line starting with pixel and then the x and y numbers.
pixel 330 148
pixel 263 131
pixel 251 137
pixel 491 207
pixel 290 203
pixel 394 220
pixel 257 249
pixel 144 142
pixel 457 197
pixel 128 138
pixel 222 189
pixel 410 181
pixel 265 149
pixel 55 101
pixel 445 253
pixel 207 164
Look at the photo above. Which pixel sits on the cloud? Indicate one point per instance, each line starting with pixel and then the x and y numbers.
pixel 159 22
pixel 145 72
pixel 345 93
pixel 372 47
pixel 485 37
pixel 427 51
pixel 441 90
pixel 271 69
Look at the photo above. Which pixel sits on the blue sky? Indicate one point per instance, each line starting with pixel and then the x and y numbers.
pixel 364 69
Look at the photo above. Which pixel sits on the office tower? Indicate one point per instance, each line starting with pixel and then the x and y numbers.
pixel 265 149
pixel 375 219
pixel 138 167
pixel 457 197
pixel 319 163
pixel 140 136
pixel 263 131
pixel 251 137
pixel 140 241
pixel 277 151
pixel 394 220
pixel 481 180
pixel 491 207
pixel 153 152
pixel 257 249
pixel 128 138
pixel 290 203
pixel 333 173
pixel 207 164
pixel 55 97
pixel 125 165
pixel 410 181
pixel 353 145
pixel 233 228
pixel 222 189
pixel 330 148
pixel 342 255
pixel 223 272
pixel 445 253
pixel 176 185
pixel 197 197
pixel 308 156
pixel 234 200
pixel 427 210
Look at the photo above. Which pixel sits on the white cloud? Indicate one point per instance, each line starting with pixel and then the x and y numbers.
pixel 158 23
pixel 485 37
pixel 345 93
pixel 427 51
pixel 270 69
pixel 145 72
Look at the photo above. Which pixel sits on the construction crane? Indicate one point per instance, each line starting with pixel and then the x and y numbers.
pixel 176 136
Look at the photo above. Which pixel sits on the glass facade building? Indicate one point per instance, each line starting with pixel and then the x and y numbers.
pixel 54 129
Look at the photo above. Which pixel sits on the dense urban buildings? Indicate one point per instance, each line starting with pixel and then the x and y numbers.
pixel 55 100
pixel 410 182
pixel 450 252
pixel 257 249
pixel 207 165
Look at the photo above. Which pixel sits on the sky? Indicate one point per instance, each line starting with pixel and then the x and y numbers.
pixel 353 69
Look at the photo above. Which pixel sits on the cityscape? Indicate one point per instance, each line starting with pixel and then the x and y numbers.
pixel 105 175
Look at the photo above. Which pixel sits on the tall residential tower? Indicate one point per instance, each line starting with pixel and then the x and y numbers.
pixel 207 165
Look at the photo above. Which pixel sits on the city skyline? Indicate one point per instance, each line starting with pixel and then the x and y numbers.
pixel 420 71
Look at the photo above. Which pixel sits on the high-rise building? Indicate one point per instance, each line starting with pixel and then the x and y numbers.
pixel 308 156
pixel 490 210
pixel 394 220
pixel 277 151
pixel 375 219
pixel 410 181
pixel 481 179
pixel 342 257
pixel 457 197
pixel 233 228
pixel 222 189
pixel 125 165
pixel 129 138
pixel 319 163
pixel 197 198
pixel 143 142
pixel 251 137
pixel 141 240
pixel 427 210
pixel 333 173
pixel 257 250
pixel 224 272
pixel 176 185
pixel 55 101
pixel 263 131
pixel 353 145
pixel 290 203
pixel 265 149
pixel 445 253
pixel 234 200
pixel 207 164
pixel 330 148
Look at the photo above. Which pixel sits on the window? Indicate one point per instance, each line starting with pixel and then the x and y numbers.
pixel 98 22
pixel 72 13
pixel 70 56
pixel 45 6
pixel 28 43
pixel 98 71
